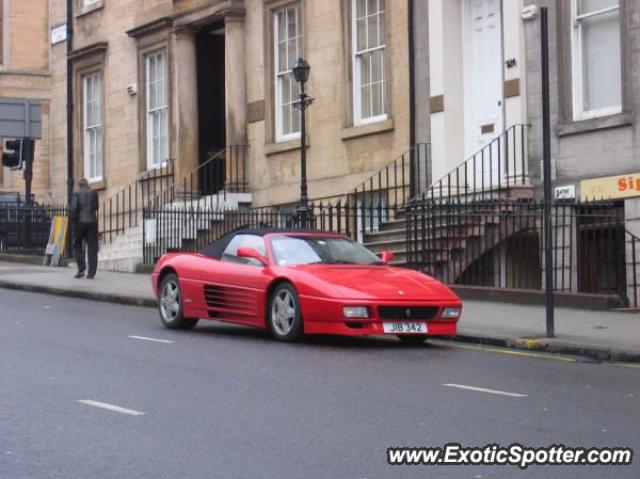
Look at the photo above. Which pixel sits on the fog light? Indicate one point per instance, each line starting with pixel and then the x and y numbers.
pixel 451 313
pixel 355 312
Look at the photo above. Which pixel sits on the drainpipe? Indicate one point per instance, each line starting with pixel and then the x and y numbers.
pixel 412 108
pixel 69 102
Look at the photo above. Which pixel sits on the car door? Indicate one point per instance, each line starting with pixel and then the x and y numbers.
pixel 235 288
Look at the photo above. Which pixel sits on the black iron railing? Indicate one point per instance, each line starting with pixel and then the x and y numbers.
pixel 395 183
pixel 500 243
pixel 123 209
pixel 25 230
pixel 499 165
pixel 190 229
pixel 225 171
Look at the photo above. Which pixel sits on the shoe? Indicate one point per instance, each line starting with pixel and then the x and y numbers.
pixel 90 277
pixel 79 274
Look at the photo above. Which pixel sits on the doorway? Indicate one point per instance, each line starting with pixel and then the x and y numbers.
pixel 210 56
pixel 484 97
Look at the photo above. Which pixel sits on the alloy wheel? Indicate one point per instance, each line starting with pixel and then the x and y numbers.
pixel 283 312
pixel 170 301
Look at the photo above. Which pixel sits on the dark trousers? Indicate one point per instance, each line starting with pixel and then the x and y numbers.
pixel 87 233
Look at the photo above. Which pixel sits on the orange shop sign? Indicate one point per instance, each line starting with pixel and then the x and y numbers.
pixel 610 187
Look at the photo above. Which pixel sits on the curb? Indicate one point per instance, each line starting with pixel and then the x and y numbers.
pixel 526 344
pixel 543 345
pixel 90 295
pixel 27 259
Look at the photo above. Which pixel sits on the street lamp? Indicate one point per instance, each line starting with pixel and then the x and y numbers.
pixel 301 74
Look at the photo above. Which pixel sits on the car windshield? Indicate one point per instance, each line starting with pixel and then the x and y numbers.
pixel 291 250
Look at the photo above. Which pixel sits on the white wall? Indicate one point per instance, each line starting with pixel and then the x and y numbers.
pixel 447 76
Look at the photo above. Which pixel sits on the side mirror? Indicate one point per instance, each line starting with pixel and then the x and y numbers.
pixel 386 256
pixel 245 252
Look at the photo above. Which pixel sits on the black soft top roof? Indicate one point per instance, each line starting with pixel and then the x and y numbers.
pixel 215 249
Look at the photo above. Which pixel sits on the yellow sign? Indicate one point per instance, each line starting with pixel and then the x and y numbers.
pixel 57 241
pixel 610 187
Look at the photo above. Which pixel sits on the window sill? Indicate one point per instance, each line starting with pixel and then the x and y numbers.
pixel 98 185
pixel 369 129
pixel 594 124
pixel 283 146
pixel 86 9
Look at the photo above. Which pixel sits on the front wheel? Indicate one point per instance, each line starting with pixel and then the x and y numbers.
pixel 285 315
pixel 170 305
pixel 412 340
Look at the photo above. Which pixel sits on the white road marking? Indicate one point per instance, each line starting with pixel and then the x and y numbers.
pixel 144 338
pixel 110 407
pixel 483 390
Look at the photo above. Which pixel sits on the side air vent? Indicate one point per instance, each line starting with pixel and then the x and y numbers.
pixel 226 302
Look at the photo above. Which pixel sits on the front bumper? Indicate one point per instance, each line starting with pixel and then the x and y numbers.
pixel 325 316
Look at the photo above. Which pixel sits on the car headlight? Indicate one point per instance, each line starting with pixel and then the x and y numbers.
pixel 451 313
pixel 355 312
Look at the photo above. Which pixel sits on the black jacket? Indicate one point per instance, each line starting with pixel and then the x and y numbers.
pixel 84 207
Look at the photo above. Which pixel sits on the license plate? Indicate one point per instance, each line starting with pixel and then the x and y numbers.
pixel 405 328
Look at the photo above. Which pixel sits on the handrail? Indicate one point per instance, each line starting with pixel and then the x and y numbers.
pixel 399 179
pixel 225 171
pixel 123 209
pixel 501 163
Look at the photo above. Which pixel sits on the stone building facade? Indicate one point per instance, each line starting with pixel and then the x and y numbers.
pixel 25 73
pixel 594 104
pixel 180 79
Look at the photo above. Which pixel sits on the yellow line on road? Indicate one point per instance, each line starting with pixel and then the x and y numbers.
pixel 512 352
pixel 623 365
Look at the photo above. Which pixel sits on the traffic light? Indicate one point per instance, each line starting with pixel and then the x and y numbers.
pixel 12 156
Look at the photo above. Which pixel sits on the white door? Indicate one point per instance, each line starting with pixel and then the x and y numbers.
pixel 484 91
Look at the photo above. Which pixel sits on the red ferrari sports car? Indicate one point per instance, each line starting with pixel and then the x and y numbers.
pixel 294 282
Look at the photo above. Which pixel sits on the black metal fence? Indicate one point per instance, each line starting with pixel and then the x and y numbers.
pixel 123 209
pixel 25 230
pixel 394 184
pixel 184 228
pixel 498 166
pixel 223 172
pixel 500 243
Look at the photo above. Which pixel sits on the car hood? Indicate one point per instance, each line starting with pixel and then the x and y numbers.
pixel 379 282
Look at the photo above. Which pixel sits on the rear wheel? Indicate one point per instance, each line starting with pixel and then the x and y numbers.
pixel 170 305
pixel 412 340
pixel 285 315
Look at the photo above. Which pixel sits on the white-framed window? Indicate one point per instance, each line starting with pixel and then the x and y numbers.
pixel 287 26
pixel 157 106
pixel 92 125
pixel 369 75
pixel 596 58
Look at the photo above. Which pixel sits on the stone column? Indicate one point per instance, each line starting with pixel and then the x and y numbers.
pixel 185 90
pixel 236 100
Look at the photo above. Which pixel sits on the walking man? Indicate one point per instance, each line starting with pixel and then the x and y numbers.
pixel 84 216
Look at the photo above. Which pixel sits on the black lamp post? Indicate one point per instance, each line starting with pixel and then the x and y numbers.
pixel 301 74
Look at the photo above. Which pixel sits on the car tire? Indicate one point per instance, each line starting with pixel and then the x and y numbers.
pixel 170 305
pixel 411 340
pixel 284 313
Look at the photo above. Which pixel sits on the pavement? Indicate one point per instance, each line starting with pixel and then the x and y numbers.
pixel 602 335
pixel 99 390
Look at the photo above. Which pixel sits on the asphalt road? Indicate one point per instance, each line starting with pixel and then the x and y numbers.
pixel 228 402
